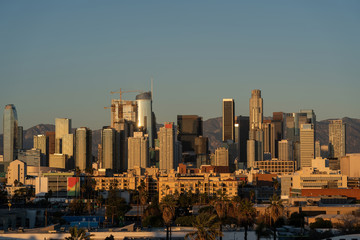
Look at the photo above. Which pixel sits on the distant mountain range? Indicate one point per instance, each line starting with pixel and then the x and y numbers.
pixel 212 130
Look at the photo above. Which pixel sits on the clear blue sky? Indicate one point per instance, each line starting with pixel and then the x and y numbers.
pixel 62 58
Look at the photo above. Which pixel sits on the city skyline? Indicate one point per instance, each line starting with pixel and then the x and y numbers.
pixel 61 60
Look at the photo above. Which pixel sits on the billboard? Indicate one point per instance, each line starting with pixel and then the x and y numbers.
pixel 73 186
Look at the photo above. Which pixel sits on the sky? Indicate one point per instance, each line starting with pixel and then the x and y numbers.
pixel 62 58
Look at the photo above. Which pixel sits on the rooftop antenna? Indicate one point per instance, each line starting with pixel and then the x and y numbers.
pixel 152 87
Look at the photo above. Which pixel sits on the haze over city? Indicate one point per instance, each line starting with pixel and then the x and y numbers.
pixel 62 59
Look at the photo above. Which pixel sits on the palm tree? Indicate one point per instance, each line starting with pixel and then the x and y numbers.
pixel 261 230
pixel 276 209
pixel 221 206
pixel 168 206
pixel 244 212
pixel 78 234
pixel 206 228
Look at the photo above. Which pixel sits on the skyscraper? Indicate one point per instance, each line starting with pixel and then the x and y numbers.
pixel 242 132
pixel 222 157
pixel 285 150
pixel 170 149
pixel 62 128
pixel 41 142
pixel 145 119
pixel 10 130
pixel 108 147
pixel 256 110
pixel 269 137
pixel 337 139
pixel 307 145
pixel 83 148
pixel 189 127
pixel 138 151
pixel 228 132
pixel 256 132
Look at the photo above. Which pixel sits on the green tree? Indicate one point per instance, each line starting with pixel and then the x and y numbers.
pixel 168 206
pixel 207 228
pixel 244 213
pixel 77 207
pixel 321 223
pixel 276 209
pixel 221 206
pixel 261 231
pixel 116 207
pixel 78 234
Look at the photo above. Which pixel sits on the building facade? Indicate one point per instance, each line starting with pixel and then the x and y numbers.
pixel 228 132
pixel 83 148
pixel 337 139
pixel 10 133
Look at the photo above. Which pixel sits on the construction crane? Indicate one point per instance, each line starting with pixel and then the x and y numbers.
pixel 120 101
pixel 121 92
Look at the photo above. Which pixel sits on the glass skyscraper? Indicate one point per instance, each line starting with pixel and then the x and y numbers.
pixel 10 128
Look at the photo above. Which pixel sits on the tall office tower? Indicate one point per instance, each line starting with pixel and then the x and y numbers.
pixel 337 139
pixel 256 110
pixel 228 132
pixel 67 146
pixel 10 128
pixel 170 149
pixel 293 122
pixel 311 118
pixel 307 145
pixel 222 157
pixel 255 127
pixel 251 153
pixel 201 150
pixel 62 127
pixel 83 148
pixel 189 128
pixel 145 115
pixel 242 135
pixel 286 150
pixel 20 137
pixel 51 138
pixel 278 121
pixel 317 149
pixel 108 147
pixel 138 151
pixel 269 137
pixel 41 142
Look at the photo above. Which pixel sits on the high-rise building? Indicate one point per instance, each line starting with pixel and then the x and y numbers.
pixel 241 137
pixel 256 110
pixel 189 127
pixel 20 137
pixel 337 139
pixel 145 118
pixel 10 131
pixel 83 148
pixel 62 128
pixel 41 142
pixel 317 149
pixel 228 132
pixel 51 139
pixel 256 132
pixel 201 150
pixel 138 151
pixel 285 150
pixel 108 147
pixel 307 145
pixel 278 121
pixel 222 157
pixel 170 149
pixel 32 157
pixel 269 137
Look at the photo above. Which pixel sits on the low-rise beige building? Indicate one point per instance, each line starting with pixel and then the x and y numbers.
pixel 16 172
pixel 276 166
pixel 350 165
pixel 209 183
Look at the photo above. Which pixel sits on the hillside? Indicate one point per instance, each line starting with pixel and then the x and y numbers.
pixel 212 130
